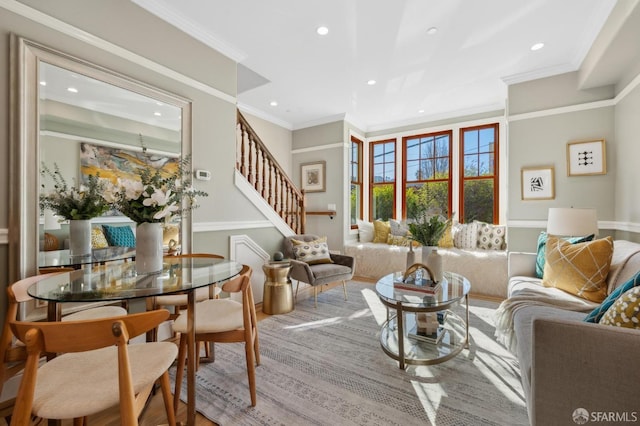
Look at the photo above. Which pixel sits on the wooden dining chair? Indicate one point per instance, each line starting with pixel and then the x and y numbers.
pixel 178 302
pixel 224 320
pixel 97 368
pixel 87 313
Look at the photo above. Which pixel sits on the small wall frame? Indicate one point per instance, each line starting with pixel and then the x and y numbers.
pixel 313 177
pixel 537 183
pixel 586 158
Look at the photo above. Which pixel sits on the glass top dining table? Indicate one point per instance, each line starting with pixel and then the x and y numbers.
pixel 63 258
pixel 113 282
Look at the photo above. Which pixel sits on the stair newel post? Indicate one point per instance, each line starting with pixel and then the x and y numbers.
pixel 303 213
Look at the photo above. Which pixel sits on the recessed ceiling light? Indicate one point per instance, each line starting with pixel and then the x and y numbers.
pixel 157 114
pixel 72 90
pixel 43 83
pixel 322 30
pixel 273 103
pixel 432 30
pixel 420 111
pixel 371 82
pixel 537 46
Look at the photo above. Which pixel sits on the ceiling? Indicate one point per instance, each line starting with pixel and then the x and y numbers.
pixel 464 68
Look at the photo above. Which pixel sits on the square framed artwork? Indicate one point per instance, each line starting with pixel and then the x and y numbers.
pixel 586 158
pixel 537 183
pixel 312 176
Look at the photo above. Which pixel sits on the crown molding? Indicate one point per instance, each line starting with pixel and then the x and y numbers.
pixel 196 31
pixel 265 116
pixel 78 34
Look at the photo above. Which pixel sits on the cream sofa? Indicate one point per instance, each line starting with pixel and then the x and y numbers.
pixel 485 269
pixel 566 363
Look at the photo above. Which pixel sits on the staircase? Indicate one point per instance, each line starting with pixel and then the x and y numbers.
pixel 266 176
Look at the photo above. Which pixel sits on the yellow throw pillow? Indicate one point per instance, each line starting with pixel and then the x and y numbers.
pixel 312 252
pixel 381 231
pixel 397 240
pixel 625 311
pixel 580 269
pixel 446 241
pixel 98 240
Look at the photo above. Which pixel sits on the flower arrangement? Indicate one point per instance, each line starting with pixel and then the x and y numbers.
pixel 154 197
pixel 73 203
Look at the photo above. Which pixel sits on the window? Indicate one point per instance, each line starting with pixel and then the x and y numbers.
pixel 479 174
pixel 427 173
pixel 383 179
pixel 356 181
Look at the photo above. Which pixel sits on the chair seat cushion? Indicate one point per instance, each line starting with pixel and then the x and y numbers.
pixel 213 316
pixel 80 384
pixel 181 299
pixel 330 270
pixel 95 313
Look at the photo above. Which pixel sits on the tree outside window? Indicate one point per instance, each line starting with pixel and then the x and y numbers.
pixel 383 179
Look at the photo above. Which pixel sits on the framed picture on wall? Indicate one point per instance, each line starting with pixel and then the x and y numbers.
pixel 313 176
pixel 586 158
pixel 537 183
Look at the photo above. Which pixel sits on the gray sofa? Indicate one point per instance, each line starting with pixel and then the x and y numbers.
pixel 568 364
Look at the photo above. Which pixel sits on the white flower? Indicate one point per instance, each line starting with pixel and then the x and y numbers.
pixel 166 211
pixel 133 188
pixel 158 198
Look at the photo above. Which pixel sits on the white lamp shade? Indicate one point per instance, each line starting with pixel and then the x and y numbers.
pixel 572 222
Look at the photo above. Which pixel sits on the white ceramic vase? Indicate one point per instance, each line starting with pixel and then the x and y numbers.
pixel 80 237
pixel 148 248
pixel 433 260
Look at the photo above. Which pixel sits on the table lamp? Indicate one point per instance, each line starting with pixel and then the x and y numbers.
pixel 572 222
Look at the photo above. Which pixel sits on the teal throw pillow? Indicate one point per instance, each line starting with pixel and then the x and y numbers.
pixel 598 312
pixel 542 244
pixel 119 236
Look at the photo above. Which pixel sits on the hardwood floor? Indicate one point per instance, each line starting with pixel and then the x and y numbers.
pixel 154 413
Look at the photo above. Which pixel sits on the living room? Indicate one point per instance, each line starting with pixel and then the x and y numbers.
pixel 538 120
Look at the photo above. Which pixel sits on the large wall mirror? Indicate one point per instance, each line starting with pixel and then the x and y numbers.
pixel 65 110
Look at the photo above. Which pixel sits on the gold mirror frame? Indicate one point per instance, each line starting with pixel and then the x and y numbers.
pixel 24 152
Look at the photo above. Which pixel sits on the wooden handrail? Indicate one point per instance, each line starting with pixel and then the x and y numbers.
pixel 269 179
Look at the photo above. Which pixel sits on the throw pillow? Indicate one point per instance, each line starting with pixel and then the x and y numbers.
pixel 542 244
pixel 580 269
pixel 597 313
pixel 397 240
pixel 365 231
pixel 446 241
pixel 625 312
pixel 381 231
pixel 98 240
pixel 465 235
pixel 119 236
pixel 490 236
pixel 398 228
pixel 312 252
pixel 170 232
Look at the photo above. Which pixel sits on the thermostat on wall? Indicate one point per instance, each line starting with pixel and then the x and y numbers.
pixel 203 175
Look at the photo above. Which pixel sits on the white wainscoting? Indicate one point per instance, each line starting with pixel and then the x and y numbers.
pixel 244 250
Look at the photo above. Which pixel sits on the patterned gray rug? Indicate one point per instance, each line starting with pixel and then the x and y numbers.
pixel 325 366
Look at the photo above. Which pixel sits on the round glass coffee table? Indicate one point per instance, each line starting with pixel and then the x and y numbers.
pixel 421 327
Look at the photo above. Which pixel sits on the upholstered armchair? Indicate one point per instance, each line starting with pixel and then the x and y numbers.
pixel 318 274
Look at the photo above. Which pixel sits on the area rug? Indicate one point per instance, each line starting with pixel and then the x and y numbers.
pixel 324 366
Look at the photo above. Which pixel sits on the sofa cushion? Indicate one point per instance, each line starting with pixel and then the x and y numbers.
pixel 580 268
pixel 381 231
pixel 625 311
pixel 365 231
pixel 98 240
pixel 597 313
pixel 119 235
pixel 542 247
pixel 398 229
pixel 490 236
pixel 465 235
pixel 446 241
pixel 312 252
